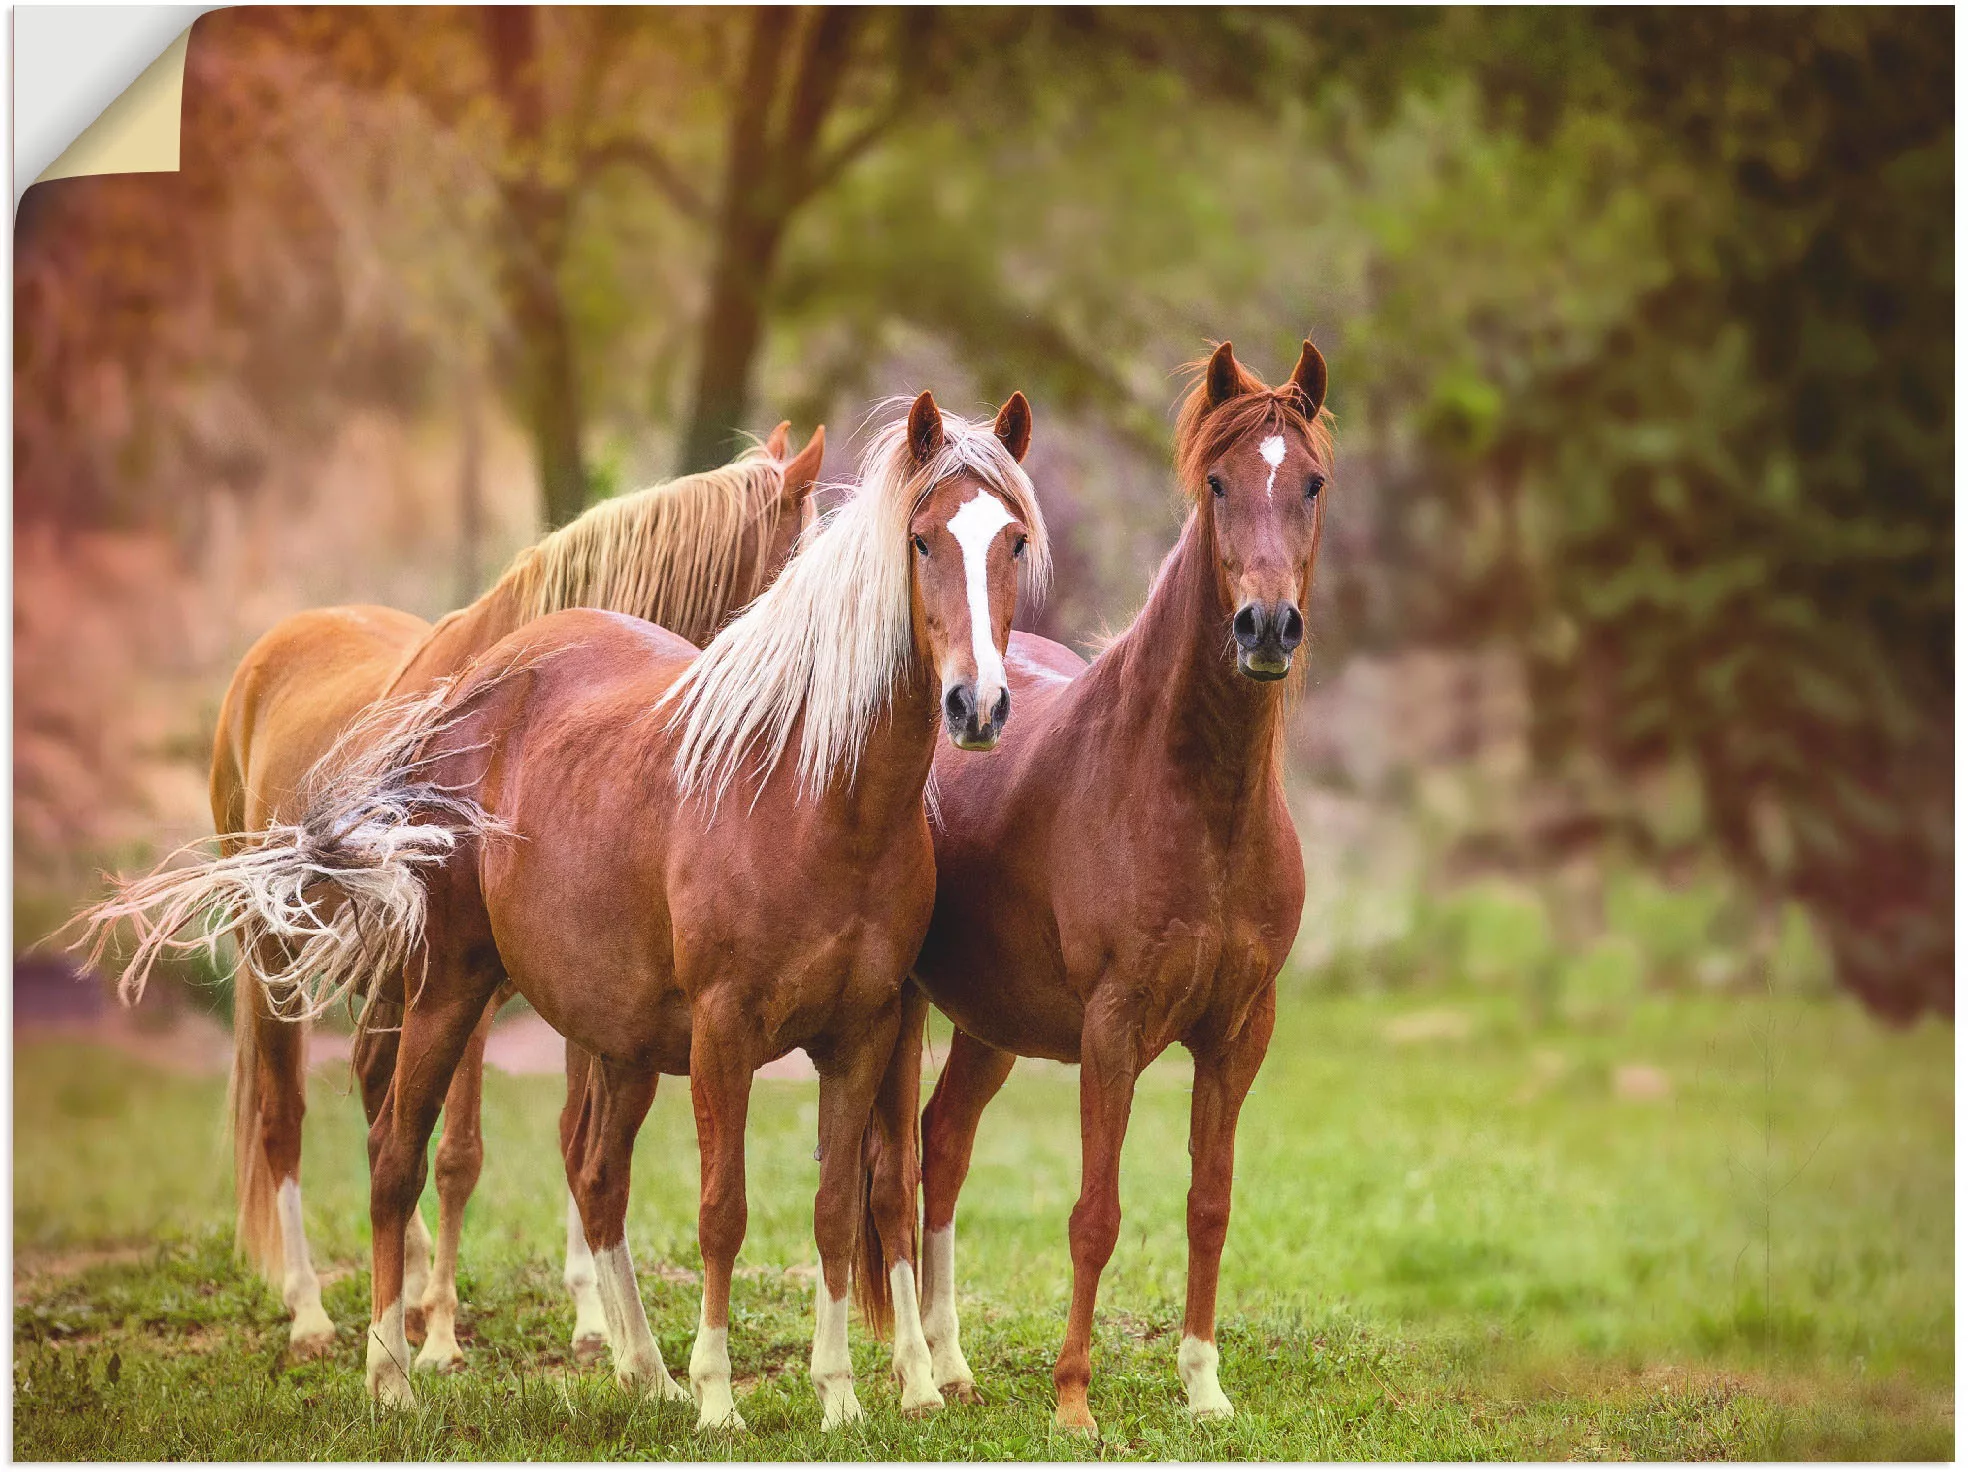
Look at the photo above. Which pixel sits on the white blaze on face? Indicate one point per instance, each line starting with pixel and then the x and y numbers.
pixel 1273 451
pixel 976 524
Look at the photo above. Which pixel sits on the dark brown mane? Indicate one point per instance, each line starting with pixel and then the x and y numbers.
pixel 1204 432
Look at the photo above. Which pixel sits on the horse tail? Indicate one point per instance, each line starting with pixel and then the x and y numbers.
pixel 337 895
pixel 258 1227
pixel 891 1158
pixel 871 1286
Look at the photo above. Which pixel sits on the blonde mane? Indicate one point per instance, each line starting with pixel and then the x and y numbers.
pixel 828 638
pixel 668 553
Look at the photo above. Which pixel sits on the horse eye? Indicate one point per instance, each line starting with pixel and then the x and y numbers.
pixel 1018 547
pixel 1216 486
pixel 921 545
pixel 1313 485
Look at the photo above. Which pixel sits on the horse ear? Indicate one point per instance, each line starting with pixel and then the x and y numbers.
pixel 804 473
pixel 925 427
pixel 1014 426
pixel 1224 381
pixel 775 443
pixel 1309 377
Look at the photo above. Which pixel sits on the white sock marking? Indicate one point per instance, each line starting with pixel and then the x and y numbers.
pixel 832 1369
pixel 947 1363
pixel 710 1378
pixel 1273 451
pixel 1195 1362
pixel 300 1289
pixel 387 1366
pixel 638 1362
pixel 977 522
pixel 912 1363
pixel 589 1320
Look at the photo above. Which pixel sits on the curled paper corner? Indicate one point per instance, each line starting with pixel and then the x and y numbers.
pixel 138 132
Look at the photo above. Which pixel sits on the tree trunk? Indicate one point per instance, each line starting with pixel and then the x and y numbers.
pixel 471 486
pixel 733 331
pixel 533 246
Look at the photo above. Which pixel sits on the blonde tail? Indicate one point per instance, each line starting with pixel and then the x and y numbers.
pixel 258 1229
pixel 338 897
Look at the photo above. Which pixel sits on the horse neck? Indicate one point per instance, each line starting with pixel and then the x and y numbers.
pixel 895 760
pixel 458 638
pixel 1179 690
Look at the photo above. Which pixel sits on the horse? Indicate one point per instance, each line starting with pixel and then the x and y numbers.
pixel 688 863
pixel 687 554
pixel 1124 874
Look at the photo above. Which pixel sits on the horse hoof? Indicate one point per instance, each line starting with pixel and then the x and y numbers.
pixel 1214 1414
pixel 962 1392
pixel 589 1348
pixel 732 1423
pixel 311 1346
pixel 1075 1419
pixel 393 1393
pixel 446 1363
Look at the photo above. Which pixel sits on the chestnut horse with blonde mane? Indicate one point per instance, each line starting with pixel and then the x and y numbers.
pixel 1124 874
pixel 686 554
pixel 688 863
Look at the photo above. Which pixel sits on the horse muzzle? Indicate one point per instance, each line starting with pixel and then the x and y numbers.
pixel 972 728
pixel 1267 633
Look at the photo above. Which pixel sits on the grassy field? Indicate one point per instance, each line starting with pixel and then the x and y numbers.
pixel 1688 1228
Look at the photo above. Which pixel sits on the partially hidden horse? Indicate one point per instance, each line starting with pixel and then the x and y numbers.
pixel 1124 874
pixel 687 863
pixel 687 554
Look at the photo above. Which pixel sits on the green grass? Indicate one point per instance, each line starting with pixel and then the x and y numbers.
pixel 1468 1243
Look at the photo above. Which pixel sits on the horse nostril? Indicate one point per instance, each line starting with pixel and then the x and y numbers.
pixel 1245 625
pixel 956 705
pixel 1291 628
pixel 1001 712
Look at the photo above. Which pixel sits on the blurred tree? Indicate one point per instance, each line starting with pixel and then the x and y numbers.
pixel 1720 518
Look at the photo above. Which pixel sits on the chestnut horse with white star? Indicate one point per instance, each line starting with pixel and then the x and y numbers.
pixel 1124 875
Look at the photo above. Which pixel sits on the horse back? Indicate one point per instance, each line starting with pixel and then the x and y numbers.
pixel 294 692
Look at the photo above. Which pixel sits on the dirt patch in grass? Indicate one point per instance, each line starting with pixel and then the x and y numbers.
pixel 38 1273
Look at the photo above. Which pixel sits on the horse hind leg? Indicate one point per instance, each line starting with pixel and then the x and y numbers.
pixel 436 1033
pixel 269 1088
pixel 971 1078
pixel 720 1093
pixel 375 1070
pixel 598 1176
pixel 460 1157
pixel 590 1340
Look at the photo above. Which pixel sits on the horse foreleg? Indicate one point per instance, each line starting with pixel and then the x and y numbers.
pixel 1224 1071
pixel 720 1093
pixel 460 1157
pixel 599 1178
pixel 971 1078
pixel 590 1323
pixel 435 1033
pixel 1109 1064
pixel 850 1073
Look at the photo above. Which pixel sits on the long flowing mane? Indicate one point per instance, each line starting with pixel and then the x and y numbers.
pixel 828 638
pixel 668 553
